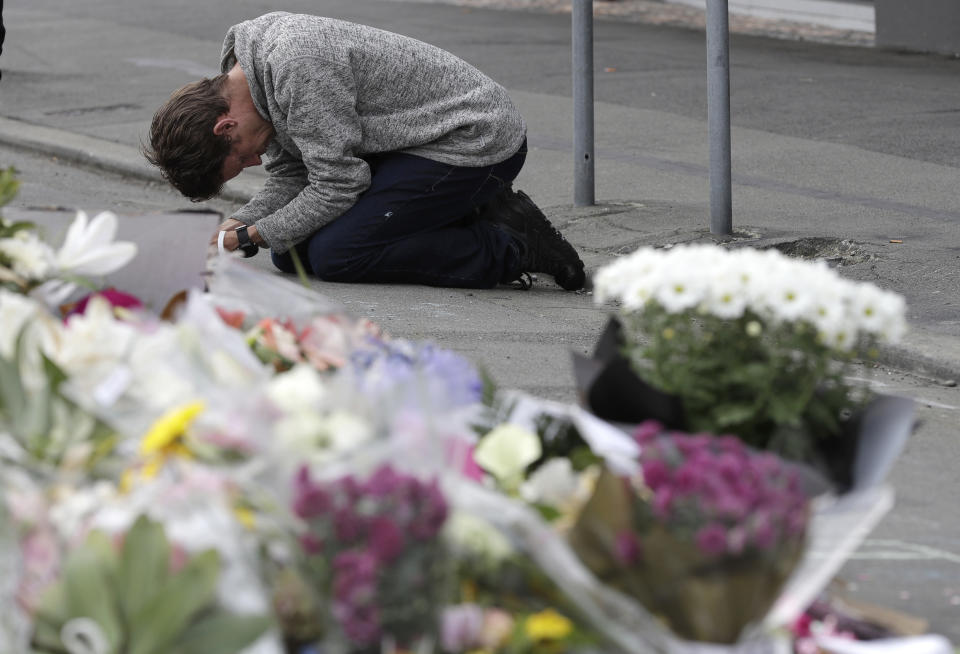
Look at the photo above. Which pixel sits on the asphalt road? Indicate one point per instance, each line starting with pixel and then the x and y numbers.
pixel 837 102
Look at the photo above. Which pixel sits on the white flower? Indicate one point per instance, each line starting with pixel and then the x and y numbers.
pixel 297 389
pixel 92 344
pixel 467 532
pixel 89 248
pixel 554 483
pixel 29 257
pixel 679 290
pixel 879 312
pixel 726 283
pixel 15 312
pixel 506 451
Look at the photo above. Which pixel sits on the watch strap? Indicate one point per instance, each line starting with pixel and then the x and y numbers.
pixel 246 245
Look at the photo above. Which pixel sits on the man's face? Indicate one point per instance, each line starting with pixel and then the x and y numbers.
pixel 248 142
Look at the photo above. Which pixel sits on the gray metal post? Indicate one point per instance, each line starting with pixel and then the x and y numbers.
pixel 582 26
pixel 718 116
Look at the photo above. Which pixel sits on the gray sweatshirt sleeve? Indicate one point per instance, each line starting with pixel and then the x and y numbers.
pixel 288 176
pixel 318 98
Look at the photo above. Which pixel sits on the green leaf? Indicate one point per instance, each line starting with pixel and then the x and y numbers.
pixel 727 415
pixel 221 633
pixel 160 622
pixel 8 185
pixel 46 634
pixel 89 593
pixel 144 564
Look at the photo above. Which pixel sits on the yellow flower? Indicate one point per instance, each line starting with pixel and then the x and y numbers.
pixel 163 440
pixel 165 436
pixel 245 516
pixel 547 625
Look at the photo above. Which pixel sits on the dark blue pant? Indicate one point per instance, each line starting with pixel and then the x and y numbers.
pixel 416 225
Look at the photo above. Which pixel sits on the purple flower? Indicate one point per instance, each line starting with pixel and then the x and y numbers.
pixel 309 500
pixel 347 525
pixel 383 483
pixel 647 431
pixel 712 539
pixel 656 473
pixel 386 539
pixel 311 543
pixel 627 548
pixel 663 501
pixel 355 596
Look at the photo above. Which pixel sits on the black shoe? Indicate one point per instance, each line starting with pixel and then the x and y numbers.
pixel 543 249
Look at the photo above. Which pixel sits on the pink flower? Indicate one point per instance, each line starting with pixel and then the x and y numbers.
pixel 497 628
pixel 40 566
pixel 461 628
pixel 712 539
pixel 117 299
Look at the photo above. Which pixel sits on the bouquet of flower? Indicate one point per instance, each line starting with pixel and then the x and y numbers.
pixel 375 552
pixel 505 604
pixel 705 537
pixel 29 264
pixel 748 342
pixel 323 341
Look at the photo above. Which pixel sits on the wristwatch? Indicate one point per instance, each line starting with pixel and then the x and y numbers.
pixel 248 247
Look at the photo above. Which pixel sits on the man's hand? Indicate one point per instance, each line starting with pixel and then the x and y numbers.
pixel 230 241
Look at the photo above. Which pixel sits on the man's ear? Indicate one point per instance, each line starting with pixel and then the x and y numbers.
pixel 224 125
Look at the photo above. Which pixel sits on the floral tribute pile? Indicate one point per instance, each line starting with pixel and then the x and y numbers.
pixel 283 478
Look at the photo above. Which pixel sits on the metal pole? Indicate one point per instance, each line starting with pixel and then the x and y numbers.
pixel 718 116
pixel 583 185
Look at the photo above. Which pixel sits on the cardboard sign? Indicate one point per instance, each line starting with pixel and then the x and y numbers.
pixel 171 249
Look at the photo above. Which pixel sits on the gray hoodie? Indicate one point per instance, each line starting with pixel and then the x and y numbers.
pixel 335 92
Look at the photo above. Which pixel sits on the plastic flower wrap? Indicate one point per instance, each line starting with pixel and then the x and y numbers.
pixel 749 342
pixel 375 550
pixel 705 537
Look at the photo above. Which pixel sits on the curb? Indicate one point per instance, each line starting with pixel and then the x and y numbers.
pixel 98 153
pixel 125 160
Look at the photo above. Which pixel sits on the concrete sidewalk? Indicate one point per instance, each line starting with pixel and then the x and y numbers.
pixel 877 215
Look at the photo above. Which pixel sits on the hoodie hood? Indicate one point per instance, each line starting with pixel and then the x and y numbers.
pixel 245 44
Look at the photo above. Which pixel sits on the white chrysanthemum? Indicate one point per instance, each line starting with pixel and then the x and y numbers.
pixel 725 283
pixel 728 291
pixel 678 290
pixel 29 257
pixel 628 278
pixel 877 311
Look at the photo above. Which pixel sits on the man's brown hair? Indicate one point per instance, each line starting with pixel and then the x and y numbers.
pixel 182 143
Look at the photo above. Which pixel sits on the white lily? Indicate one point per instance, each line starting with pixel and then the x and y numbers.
pixel 90 249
